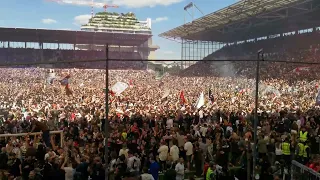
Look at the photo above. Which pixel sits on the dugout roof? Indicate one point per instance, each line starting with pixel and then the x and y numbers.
pixel 249 19
pixel 71 37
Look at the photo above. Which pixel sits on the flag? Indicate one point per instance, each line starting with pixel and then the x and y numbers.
pixel 65 82
pixel 211 96
pixel 182 99
pixel 166 93
pixel 51 77
pixel 119 87
pixel 200 101
pixel 318 99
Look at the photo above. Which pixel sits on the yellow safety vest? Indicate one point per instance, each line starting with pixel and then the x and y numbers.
pixel 303 136
pixel 286 148
pixel 209 172
pixel 301 149
pixel 305 154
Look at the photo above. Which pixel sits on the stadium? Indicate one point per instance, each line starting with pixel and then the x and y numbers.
pixel 87 105
pixel 240 30
pixel 126 37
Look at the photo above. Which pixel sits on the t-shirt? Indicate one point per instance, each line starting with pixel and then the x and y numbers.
pixel 188 147
pixel 69 173
pixel 147 177
pixel 163 152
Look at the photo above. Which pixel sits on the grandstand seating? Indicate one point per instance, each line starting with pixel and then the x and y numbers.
pixel 28 55
pixel 301 47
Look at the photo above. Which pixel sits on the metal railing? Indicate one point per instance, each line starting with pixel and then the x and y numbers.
pixel 302 172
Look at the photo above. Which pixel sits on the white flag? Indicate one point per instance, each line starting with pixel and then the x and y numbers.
pixel 200 101
pixel 119 87
pixel 166 93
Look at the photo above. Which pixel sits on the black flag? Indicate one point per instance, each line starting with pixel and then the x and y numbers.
pixel 211 97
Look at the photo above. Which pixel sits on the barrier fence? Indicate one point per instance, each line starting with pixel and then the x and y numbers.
pixel 302 172
pixel 34 134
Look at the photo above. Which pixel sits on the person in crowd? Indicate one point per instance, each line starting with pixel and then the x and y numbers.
pixel 42 126
pixel 163 155
pixel 146 175
pixel 180 169
pixel 171 173
pixel 154 168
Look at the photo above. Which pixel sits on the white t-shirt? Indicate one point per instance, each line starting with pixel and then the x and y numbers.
pixel 188 147
pixel 180 171
pixel 163 152
pixel 124 151
pixel 203 130
pixel 133 164
pixel 169 123
pixel 174 153
pixel 69 173
pixel 146 176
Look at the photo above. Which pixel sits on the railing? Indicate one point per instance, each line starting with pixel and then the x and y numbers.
pixel 302 172
pixel 35 133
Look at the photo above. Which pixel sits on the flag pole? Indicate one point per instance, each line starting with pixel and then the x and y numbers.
pixel 106 123
pixel 259 57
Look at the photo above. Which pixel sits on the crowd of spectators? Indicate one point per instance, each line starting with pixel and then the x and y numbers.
pixel 156 130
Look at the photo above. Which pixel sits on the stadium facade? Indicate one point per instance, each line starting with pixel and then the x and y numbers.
pixel 219 34
pixel 126 37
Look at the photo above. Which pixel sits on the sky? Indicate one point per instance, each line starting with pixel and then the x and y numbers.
pixel 48 14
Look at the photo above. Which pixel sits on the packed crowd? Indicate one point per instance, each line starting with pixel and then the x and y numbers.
pixel 156 131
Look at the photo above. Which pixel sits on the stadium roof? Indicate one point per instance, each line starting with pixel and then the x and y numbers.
pixel 71 37
pixel 248 19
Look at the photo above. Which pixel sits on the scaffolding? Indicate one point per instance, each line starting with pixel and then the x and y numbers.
pixel 197 50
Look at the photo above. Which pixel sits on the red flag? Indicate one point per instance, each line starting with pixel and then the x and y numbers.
pixel 130 82
pixel 112 93
pixel 182 99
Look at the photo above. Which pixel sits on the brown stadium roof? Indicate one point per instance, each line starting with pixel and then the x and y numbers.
pixel 249 19
pixel 71 37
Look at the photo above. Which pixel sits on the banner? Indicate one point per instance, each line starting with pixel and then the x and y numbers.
pixel 200 101
pixel 166 93
pixel 119 87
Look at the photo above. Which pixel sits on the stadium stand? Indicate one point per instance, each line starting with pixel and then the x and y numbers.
pixel 60 45
pixel 245 27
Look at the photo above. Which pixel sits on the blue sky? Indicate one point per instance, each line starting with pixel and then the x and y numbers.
pixel 165 14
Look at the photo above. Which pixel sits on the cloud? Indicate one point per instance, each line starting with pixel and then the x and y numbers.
pixel 159 19
pixel 122 3
pixel 48 21
pixel 81 19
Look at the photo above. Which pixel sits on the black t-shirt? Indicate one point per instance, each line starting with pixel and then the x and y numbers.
pixel 14 168
pixel 3 160
pixel 27 167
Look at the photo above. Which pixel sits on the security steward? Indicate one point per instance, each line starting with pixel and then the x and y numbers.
pixel 300 152
pixel 303 135
pixel 286 150
pixel 306 153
